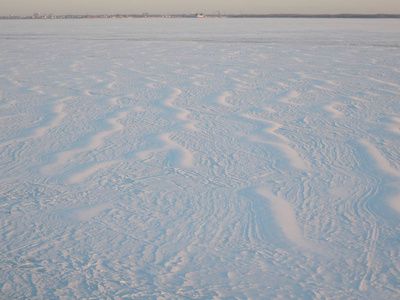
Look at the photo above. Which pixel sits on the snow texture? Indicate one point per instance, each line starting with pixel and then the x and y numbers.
pixel 200 159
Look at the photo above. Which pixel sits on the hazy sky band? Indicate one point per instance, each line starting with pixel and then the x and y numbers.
pixel 28 7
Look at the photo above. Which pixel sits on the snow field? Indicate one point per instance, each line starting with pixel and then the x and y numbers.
pixel 200 159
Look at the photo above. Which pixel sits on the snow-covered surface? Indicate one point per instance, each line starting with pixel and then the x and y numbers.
pixel 200 159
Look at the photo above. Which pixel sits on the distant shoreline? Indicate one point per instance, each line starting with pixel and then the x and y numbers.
pixel 145 15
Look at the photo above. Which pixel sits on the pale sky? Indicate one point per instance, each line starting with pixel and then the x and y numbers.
pixel 28 7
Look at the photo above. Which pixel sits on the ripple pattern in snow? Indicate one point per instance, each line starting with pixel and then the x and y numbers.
pixel 200 159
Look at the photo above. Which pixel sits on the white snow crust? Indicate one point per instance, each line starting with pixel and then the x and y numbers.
pixel 200 159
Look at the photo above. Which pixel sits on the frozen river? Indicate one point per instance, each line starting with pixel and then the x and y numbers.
pixel 200 159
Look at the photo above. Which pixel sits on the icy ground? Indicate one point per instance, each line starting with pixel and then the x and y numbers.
pixel 200 159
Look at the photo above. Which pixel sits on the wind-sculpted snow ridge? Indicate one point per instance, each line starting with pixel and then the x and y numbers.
pixel 384 166
pixel 92 142
pixel 55 114
pixel 200 159
pixel 279 141
pixel 179 155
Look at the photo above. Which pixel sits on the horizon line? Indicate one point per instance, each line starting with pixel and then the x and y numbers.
pixel 202 15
